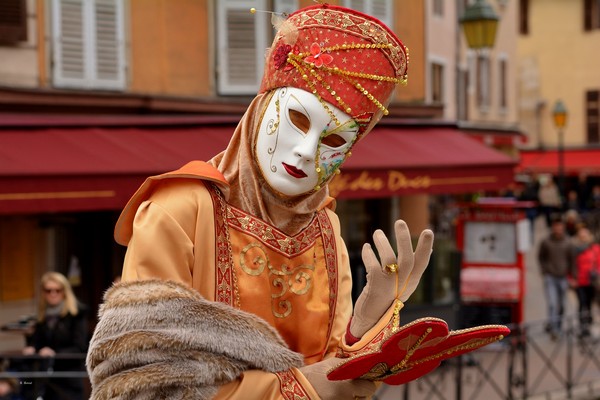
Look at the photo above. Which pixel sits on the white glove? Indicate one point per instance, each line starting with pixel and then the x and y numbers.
pixel 392 277
pixel 335 390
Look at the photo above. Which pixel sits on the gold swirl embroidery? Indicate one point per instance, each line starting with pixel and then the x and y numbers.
pixel 296 280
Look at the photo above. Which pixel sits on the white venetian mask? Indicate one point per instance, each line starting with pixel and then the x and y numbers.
pixel 302 141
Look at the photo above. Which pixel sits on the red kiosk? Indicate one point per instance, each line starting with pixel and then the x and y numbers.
pixel 493 236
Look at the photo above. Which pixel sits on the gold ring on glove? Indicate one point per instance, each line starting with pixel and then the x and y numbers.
pixel 391 268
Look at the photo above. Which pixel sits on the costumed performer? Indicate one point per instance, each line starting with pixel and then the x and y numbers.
pixel 253 232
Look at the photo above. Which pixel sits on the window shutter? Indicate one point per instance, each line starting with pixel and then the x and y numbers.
pixel 108 57
pixel 437 83
pixel 242 43
pixel 483 81
pixel 438 8
pixel 13 21
pixel 380 9
pixel 359 5
pixel 592 105
pixel 524 17
pixel 69 37
pixel 286 6
pixel 587 15
pixel 88 43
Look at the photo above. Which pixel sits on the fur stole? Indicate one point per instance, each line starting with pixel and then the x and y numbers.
pixel 160 339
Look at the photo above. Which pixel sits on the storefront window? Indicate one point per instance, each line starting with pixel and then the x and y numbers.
pixel 359 219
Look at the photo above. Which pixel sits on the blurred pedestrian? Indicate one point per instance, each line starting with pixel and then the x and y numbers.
pixel 584 192
pixel 572 222
pixel 554 257
pixel 585 265
pixel 592 219
pixel 573 203
pixel 61 328
pixel 549 198
pixel 594 198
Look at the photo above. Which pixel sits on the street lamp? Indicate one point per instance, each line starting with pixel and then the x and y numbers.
pixel 559 115
pixel 479 24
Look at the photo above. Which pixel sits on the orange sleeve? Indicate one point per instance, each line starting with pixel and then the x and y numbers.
pixel 253 384
pixel 164 229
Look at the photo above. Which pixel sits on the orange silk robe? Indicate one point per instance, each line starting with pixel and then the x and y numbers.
pixel 178 226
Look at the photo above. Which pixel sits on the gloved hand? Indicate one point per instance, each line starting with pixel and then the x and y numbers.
pixel 392 277
pixel 334 390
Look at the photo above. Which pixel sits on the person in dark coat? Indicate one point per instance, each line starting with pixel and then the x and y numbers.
pixel 554 257
pixel 61 328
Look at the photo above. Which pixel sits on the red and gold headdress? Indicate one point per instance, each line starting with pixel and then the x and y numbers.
pixel 344 57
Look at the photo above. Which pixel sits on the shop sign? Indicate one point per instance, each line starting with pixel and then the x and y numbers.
pixel 355 184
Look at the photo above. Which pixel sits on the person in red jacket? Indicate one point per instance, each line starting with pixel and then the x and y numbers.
pixel 584 267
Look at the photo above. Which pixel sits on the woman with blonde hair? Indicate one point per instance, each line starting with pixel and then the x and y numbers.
pixel 61 328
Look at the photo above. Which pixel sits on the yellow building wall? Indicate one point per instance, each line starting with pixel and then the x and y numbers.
pixel 566 61
pixel 169 47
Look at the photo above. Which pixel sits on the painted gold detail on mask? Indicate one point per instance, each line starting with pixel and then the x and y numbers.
pixel 327 169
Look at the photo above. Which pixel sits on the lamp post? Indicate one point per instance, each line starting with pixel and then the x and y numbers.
pixel 479 23
pixel 559 115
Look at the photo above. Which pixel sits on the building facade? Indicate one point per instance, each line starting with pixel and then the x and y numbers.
pixel 559 62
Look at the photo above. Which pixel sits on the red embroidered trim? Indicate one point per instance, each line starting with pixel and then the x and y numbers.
pixel 290 388
pixel 224 283
pixel 355 25
pixel 272 237
pixel 373 345
pixel 329 247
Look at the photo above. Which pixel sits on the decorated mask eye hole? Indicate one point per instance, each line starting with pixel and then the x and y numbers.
pixel 333 141
pixel 299 119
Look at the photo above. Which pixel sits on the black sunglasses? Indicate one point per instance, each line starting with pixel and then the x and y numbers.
pixel 53 290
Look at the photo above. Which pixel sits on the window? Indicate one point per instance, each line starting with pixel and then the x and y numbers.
pixel 380 9
pixel 242 41
pixel 591 14
pixel 438 8
pixel 437 83
pixel 592 105
pixel 13 21
pixel 483 81
pixel 88 44
pixel 503 83
pixel 524 17
pixel 463 95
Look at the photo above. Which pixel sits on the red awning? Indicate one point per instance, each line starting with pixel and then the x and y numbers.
pixel 576 161
pixel 400 160
pixel 73 167
pixel 81 168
